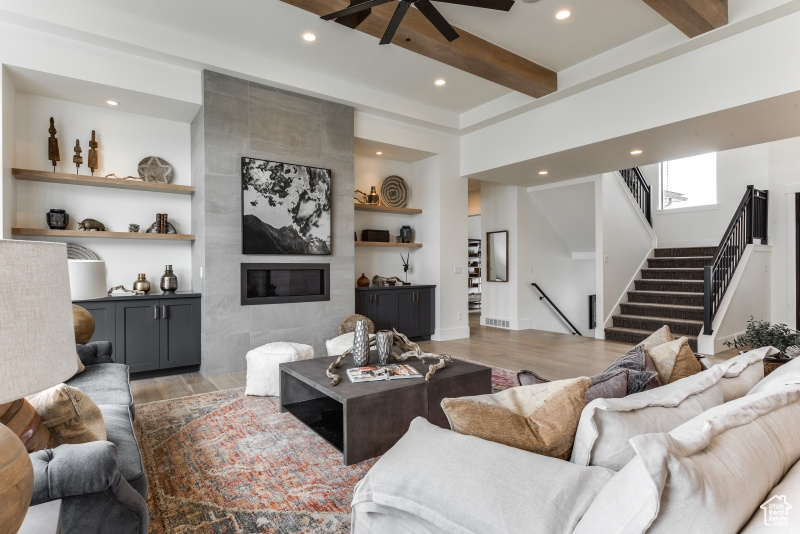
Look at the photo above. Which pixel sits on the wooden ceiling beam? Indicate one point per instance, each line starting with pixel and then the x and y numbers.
pixel 692 17
pixel 468 53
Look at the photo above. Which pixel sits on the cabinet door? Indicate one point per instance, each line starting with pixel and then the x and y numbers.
pixel 104 314
pixel 406 313
pixel 385 310
pixel 364 304
pixel 179 332
pixel 137 337
pixel 426 316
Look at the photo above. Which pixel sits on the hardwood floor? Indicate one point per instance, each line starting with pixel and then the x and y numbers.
pixel 551 355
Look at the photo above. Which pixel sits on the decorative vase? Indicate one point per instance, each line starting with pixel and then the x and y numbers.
pixel 169 282
pixel 383 341
pixel 361 344
pixel 405 234
pixel 362 281
pixel 142 284
pixel 373 197
pixel 57 219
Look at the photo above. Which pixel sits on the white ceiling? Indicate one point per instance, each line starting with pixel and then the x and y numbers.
pixel 272 29
pixel 367 147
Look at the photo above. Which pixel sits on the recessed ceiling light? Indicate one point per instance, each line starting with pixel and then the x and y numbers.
pixel 378 153
pixel 563 14
pixel 112 102
pixel 309 37
pixel 440 82
pixel 542 173
pixel 635 152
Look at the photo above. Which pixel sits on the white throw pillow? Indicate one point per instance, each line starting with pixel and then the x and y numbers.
pixel 786 374
pixel 744 372
pixel 338 345
pixel 606 425
pixel 708 476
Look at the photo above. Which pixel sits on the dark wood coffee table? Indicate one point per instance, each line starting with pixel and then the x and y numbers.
pixel 365 420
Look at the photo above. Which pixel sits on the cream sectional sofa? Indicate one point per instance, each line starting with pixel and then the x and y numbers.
pixel 699 455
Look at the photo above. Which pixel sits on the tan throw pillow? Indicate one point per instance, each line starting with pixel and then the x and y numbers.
pixel 81 367
pixel 540 418
pixel 674 360
pixel 659 337
pixel 70 414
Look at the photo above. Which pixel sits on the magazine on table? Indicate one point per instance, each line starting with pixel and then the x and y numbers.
pixel 371 373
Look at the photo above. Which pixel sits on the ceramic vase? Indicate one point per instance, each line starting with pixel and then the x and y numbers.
pixel 361 344
pixel 373 197
pixel 141 284
pixel 405 234
pixel 169 282
pixel 57 219
pixel 383 341
pixel 362 281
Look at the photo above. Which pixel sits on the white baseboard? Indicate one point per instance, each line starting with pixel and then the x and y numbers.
pixel 449 334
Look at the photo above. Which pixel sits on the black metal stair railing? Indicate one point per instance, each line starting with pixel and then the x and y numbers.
pixel 544 296
pixel 749 222
pixel 640 190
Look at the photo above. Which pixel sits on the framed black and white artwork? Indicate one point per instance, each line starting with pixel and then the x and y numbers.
pixel 286 208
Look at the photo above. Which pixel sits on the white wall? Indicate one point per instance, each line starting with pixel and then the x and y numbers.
pixel 474 227
pixel 627 241
pixel 499 213
pixel 124 139
pixel 7 130
pixel 570 207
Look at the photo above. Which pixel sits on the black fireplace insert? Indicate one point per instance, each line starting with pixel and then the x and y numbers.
pixel 274 283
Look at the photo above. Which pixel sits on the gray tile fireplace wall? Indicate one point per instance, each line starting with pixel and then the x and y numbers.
pixel 241 118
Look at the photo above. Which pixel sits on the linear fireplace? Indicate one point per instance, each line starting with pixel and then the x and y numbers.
pixel 274 283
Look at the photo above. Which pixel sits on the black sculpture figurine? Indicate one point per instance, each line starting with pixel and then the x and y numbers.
pixel 405 264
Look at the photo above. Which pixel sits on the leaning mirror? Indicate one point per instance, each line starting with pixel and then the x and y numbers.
pixel 497 256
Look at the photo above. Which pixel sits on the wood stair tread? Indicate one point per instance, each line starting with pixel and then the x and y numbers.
pixel 665 320
pixel 671 306
pixel 661 293
pixel 637 332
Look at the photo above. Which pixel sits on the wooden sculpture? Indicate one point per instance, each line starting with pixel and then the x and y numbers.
pixel 52 145
pixel 93 153
pixel 77 159
pixel 408 348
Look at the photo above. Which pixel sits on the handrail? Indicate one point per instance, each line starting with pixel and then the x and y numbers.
pixel 750 221
pixel 544 296
pixel 640 190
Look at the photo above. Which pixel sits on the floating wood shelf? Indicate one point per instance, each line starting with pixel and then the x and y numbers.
pixel 386 209
pixel 99 181
pixel 102 235
pixel 379 244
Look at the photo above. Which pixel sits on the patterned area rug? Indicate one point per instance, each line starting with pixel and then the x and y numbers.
pixel 227 463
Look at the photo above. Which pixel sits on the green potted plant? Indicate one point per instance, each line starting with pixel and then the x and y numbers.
pixel 763 333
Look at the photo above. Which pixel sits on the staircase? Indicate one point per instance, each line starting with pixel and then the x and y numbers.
pixel 669 293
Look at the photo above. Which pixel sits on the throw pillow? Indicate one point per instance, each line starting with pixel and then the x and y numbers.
pixel 745 372
pixel 70 414
pixel 540 418
pixel 81 367
pixel 786 374
pixel 674 360
pixel 682 481
pixel 659 337
pixel 613 384
pixel 643 376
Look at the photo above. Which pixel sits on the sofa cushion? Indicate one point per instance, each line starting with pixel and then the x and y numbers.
pixel 682 481
pixel 789 488
pixel 643 375
pixel 612 384
pixel 129 458
pixel 745 371
pixel 674 360
pixel 105 383
pixel 786 374
pixel 69 414
pixel 606 425
pixel 541 418
pixel 659 337
pixel 463 484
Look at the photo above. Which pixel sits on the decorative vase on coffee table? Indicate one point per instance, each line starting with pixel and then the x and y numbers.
pixel 361 344
pixel 383 342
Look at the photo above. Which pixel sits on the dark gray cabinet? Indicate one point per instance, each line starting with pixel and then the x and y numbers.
pixel 409 309
pixel 149 332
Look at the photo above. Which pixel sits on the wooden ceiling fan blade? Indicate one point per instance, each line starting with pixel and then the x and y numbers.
pixel 500 5
pixel 432 14
pixel 397 18
pixel 352 21
pixel 354 9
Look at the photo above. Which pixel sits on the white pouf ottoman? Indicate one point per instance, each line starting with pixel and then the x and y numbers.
pixel 340 344
pixel 263 375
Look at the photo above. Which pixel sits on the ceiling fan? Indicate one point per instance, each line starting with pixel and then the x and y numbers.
pixel 360 10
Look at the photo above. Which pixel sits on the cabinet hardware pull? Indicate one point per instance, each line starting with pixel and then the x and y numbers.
pixel 155 312
pixel 163 311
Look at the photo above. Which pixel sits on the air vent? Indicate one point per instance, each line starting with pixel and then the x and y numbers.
pixel 499 323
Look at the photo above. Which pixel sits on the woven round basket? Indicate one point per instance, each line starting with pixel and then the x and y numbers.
pixel 155 169
pixel 394 192
pixel 349 324
pixel 77 252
